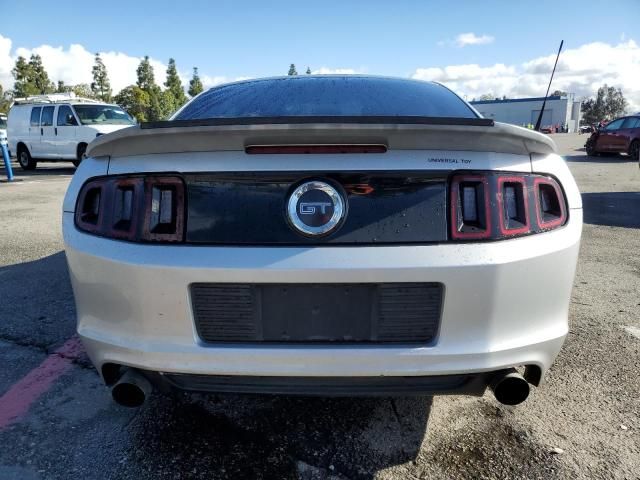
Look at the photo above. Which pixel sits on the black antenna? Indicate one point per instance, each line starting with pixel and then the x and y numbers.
pixel 545 97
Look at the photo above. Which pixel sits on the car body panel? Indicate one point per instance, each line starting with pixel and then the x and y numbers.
pixel 482 333
pixel 134 308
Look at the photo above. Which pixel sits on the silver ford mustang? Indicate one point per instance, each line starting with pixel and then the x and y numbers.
pixel 327 235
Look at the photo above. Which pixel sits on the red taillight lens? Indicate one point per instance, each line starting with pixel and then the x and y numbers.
pixel 133 208
pixel 493 206
pixel 89 210
pixel 513 205
pixel 470 209
pixel 164 215
pixel 551 211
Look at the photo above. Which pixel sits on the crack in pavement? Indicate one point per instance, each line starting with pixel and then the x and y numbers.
pixel 41 347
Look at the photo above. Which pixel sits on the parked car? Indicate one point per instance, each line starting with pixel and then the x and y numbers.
pixel 586 129
pixel 59 127
pixel 3 127
pixel 621 135
pixel 328 235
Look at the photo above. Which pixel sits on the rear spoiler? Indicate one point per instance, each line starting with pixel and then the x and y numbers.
pixel 402 133
pixel 368 120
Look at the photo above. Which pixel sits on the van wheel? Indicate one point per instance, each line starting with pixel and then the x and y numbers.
pixel 82 148
pixel 25 160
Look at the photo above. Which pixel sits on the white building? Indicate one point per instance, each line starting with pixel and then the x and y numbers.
pixel 560 110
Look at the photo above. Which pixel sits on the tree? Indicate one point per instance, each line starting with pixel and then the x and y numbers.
pixel 195 85
pixel 559 93
pixel 62 88
pixel 292 70
pixel 175 93
pixel 83 90
pixel 5 100
pixel 23 85
pixel 39 76
pixel 156 104
pixel 146 78
pixel 160 105
pixel 134 100
pixel 308 72
pixel 487 96
pixel 101 86
pixel 608 104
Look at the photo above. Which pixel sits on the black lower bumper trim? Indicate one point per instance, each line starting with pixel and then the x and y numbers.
pixel 469 384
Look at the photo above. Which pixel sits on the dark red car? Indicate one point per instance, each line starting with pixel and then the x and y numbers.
pixel 621 135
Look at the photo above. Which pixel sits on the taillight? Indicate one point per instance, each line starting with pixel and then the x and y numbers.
pixel 550 206
pixel 470 208
pixel 493 206
pixel 147 209
pixel 513 204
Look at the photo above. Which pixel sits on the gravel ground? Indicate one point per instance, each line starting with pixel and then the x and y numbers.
pixel 584 422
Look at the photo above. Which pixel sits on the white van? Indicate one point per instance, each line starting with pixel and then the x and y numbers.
pixel 59 127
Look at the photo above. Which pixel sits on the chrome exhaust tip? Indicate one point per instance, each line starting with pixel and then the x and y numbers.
pixel 509 387
pixel 132 390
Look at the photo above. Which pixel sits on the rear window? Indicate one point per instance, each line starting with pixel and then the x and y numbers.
pixel 631 122
pixel 334 96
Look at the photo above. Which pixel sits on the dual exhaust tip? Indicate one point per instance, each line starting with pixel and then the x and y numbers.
pixel 509 387
pixel 133 388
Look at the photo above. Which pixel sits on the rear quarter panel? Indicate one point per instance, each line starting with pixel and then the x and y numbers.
pixel 90 167
pixel 556 166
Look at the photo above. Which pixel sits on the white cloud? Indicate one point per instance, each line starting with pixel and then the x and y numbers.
pixel 471 38
pixel 334 71
pixel 464 39
pixel 580 70
pixel 6 63
pixel 212 81
pixel 73 65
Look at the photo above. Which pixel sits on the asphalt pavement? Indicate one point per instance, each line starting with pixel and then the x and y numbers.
pixel 60 423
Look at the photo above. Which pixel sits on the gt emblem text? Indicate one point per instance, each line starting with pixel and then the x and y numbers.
pixel 309 208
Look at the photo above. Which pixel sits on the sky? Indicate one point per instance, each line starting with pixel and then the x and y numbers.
pixel 503 48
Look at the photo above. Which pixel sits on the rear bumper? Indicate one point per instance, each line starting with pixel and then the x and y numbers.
pixel 505 304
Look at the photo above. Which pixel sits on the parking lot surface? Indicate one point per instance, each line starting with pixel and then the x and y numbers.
pixel 57 420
